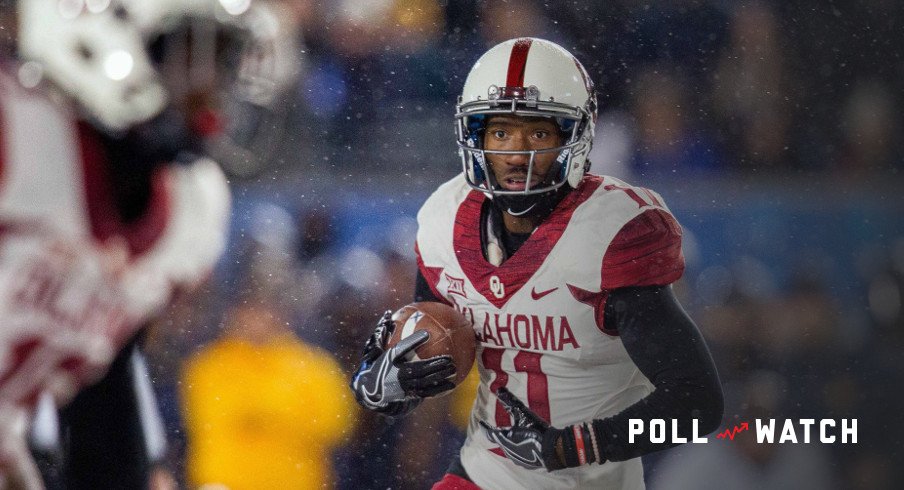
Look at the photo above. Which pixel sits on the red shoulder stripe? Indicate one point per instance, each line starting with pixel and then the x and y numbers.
pixel 646 252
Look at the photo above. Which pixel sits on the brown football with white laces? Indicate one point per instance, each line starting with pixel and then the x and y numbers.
pixel 451 334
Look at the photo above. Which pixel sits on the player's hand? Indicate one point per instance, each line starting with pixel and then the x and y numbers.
pixel 530 442
pixel 387 383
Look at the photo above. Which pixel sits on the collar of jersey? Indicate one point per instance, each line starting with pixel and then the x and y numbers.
pixel 520 267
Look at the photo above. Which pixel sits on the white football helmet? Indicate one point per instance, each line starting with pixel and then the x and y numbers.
pixel 527 77
pixel 98 51
pixel 96 55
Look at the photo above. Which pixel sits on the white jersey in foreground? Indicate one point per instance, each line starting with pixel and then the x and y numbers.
pixel 539 315
pixel 75 280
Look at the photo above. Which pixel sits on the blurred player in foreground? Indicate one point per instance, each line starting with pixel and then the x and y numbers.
pixel 566 277
pixel 107 207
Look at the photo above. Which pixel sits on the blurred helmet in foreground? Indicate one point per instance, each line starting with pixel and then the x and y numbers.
pixel 126 61
pixel 95 54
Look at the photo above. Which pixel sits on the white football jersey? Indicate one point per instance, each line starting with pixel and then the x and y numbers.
pixel 539 315
pixel 75 280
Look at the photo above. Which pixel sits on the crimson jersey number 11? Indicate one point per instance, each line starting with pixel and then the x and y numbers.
pixel 537 384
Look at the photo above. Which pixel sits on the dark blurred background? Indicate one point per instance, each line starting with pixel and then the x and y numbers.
pixel 771 128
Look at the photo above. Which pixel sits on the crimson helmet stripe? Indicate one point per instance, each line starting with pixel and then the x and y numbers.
pixel 517 63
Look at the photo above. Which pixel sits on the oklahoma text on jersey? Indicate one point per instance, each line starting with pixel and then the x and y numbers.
pixel 523 331
pixel 539 314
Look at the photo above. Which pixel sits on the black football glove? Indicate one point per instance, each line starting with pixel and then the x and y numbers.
pixel 531 443
pixel 386 383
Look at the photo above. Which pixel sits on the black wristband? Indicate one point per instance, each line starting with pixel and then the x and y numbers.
pixel 570 448
pixel 588 444
pixel 550 441
pixel 576 452
pixel 600 441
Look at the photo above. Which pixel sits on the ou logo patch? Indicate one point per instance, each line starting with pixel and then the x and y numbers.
pixel 497 287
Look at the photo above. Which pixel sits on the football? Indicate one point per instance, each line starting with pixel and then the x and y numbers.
pixel 450 334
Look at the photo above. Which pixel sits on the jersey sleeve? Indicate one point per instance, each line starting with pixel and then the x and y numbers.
pixel 190 243
pixel 667 347
pixel 426 281
pixel 435 234
pixel 645 252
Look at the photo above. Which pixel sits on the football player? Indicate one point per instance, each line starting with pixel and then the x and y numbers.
pixel 566 277
pixel 107 207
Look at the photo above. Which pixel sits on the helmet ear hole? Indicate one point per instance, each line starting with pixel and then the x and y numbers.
pixel 83 51
pixel 121 13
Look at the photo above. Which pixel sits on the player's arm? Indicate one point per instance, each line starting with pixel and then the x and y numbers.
pixel 422 290
pixel 639 265
pixel 662 340
pixel 430 416
pixel 668 349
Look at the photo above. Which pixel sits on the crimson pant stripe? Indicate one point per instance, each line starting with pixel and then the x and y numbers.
pixel 517 63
